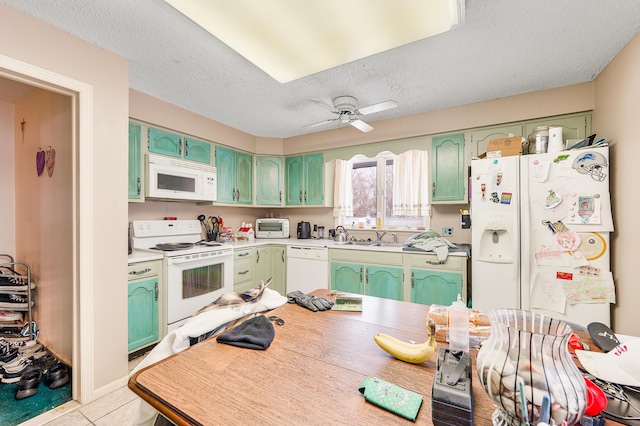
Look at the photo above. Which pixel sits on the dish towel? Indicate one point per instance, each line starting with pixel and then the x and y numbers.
pixel 255 333
pixel 440 246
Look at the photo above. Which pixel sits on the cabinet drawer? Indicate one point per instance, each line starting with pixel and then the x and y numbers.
pixel 430 261
pixel 137 270
pixel 366 256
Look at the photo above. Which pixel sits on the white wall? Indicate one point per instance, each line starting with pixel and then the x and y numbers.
pixel 102 262
pixel 616 117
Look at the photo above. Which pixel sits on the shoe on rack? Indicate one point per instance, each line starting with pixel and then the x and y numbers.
pixel 8 316
pixel 10 300
pixel 14 284
pixel 44 360
pixel 9 355
pixel 58 375
pixel 13 374
pixel 28 384
pixel 30 349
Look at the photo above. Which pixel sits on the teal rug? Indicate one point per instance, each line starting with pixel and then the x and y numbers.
pixel 14 412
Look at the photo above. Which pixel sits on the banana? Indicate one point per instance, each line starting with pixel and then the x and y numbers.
pixel 415 353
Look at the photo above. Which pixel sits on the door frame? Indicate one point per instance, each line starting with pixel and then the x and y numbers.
pixel 81 95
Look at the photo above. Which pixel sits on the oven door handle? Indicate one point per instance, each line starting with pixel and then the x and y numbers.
pixel 200 261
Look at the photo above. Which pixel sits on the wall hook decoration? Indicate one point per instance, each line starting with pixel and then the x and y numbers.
pixel 50 161
pixel 40 160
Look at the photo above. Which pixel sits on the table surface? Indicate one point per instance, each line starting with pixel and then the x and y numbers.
pixel 309 375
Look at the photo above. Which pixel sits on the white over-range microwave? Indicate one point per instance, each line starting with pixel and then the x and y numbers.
pixel 172 179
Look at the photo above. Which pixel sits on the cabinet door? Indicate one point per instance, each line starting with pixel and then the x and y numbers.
pixel 384 282
pixel 165 143
pixel 293 180
pixel 435 287
pixel 143 313
pixel 573 126
pixel 263 263
pixel 269 181
pixel 195 150
pixel 225 173
pixel 479 139
pixel 313 180
pixel 244 178
pixel 448 169
pixel 279 269
pixel 347 277
pixel 135 162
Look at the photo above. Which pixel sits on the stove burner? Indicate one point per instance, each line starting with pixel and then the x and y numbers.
pixel 184 246
pixel 173 246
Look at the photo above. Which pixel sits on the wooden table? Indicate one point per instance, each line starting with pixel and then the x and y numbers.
pixel 309 375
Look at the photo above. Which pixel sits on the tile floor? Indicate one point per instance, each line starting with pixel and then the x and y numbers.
pixel 114 409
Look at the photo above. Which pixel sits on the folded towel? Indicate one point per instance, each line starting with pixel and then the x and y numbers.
pixel 255 333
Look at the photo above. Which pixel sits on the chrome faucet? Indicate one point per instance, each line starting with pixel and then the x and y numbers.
pixel 379 235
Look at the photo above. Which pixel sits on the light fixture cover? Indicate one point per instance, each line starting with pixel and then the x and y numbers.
pixel 290 39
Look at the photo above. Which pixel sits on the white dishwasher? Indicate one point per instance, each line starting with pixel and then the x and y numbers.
pixel 307 268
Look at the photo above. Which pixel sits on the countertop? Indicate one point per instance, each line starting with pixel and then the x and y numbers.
pixel 463 250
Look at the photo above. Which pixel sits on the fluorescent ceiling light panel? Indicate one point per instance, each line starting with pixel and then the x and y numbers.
pixel 290 39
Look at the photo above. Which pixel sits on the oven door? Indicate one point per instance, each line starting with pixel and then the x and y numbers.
pixel 193 281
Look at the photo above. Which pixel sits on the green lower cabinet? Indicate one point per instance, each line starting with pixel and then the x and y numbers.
pixel 143 313
pixel 347 277
pixel 272 264
pixel 378 281
pixel 435 287
pixel 383 281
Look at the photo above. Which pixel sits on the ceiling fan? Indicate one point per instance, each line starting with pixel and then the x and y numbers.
pixel 345 107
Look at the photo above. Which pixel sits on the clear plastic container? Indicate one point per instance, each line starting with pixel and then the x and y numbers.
pixel 459 326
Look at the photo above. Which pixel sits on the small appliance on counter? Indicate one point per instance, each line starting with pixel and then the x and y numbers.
pixel 269 227
pixel 304 230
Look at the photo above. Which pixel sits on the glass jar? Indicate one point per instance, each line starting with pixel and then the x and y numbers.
pixel 538 140
pixel 525 360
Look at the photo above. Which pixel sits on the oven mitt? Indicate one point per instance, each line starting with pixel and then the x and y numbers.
pixel 310 302
pixel 391 397
pixel 254 333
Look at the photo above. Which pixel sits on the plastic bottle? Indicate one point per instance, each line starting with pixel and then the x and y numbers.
pixel 459 326
pixel 378 221
pixel 368 221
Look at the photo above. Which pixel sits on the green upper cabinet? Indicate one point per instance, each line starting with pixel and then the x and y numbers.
pixel 179 146
pixel 269 170
pixel 234 175
pixel 196 150
pixel 313 179
pixel 135 163
pixel 574 126
pixel 449 173
pixel 478 140
pixel 304 180
pixel 165 143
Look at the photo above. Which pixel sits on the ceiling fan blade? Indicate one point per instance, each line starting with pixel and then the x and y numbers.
pixel 324 105
pixel 320 123
pixel 382 106
pixel 361 125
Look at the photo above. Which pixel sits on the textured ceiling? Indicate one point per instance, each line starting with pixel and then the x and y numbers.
pixel 506 47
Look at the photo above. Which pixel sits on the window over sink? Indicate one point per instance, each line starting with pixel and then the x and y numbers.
pixel 382 187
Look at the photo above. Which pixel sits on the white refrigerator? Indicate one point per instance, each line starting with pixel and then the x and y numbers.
pixel 540 234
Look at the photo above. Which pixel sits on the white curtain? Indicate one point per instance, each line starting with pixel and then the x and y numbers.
pixel 410 184
pixel 343 189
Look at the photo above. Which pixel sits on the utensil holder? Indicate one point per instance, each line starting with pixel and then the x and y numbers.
pixel 212 236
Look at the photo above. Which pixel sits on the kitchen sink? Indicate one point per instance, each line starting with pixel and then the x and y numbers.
pixel 370 243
